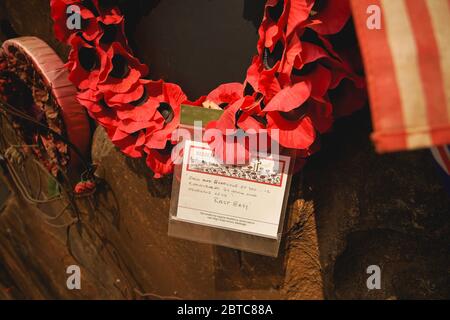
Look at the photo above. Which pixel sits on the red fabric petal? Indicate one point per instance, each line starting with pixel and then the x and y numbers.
pixel 290 98
pixel 160 161
pixel 82 78
pixel 174 96
pixel 347 98
pixel 226 93
pixel 321 113
pixel 90 28
pixel 145 112
pixel 129 146
pixel 134 94
pixel 319 79
pixel 298 13
pixel 122 85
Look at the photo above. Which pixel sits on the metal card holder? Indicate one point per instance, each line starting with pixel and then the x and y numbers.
pixel 216 235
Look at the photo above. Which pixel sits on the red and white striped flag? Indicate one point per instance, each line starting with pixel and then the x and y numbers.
pixel 442 156
pixel 407 63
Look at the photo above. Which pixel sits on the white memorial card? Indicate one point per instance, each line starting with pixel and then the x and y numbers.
pixel 246 198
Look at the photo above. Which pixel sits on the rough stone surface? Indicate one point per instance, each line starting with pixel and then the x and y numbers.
pixel 349 209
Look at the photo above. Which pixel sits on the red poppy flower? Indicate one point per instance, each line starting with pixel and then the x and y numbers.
pixel 130 144
pixel 271 30
pixel 226 94
pixel 90 99
pixel 297 127
pixel 220 97
pixel 340 69
pixel 124 72
pixel 107 10
pixel 275 64
pixel 196 103
pixel 318 77
pixel 129 137
pixel 131 126
pixel 93 101
pixel 291 57
pixel 271 71
pixel 301 155
pixel 320 110
pixel 296 132
pixel 111 31
pixel 332 14
pixel 281 18
pixel 263 81
pixel 134 105
pixel 345 45
pixel 85 187
pixel 169 97
pixel 290 98
pixel 242 114
pixel 160 161
pixel 273 57
pixel 299 12
pixel 233 148
pixel 128 118
pixel 347 98
pixel 297 116
pixel 240 117
pixel 87 64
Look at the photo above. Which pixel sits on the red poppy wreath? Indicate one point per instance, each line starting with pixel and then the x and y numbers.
pixel 302 78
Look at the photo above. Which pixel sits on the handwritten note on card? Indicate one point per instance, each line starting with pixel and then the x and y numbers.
pixel 246 198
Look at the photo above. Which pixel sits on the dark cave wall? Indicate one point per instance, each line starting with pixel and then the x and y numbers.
pixel 198 44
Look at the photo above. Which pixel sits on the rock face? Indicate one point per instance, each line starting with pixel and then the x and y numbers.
pixel 28 18
pixel 349 208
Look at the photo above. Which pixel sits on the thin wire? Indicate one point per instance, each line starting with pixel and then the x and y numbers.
pixel 12 111
pixel 157 296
